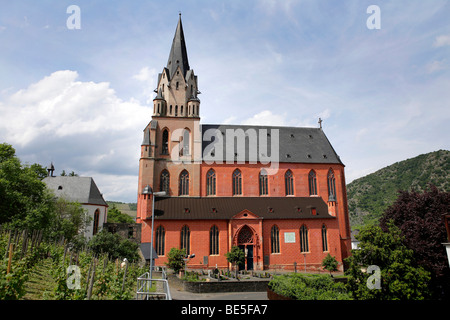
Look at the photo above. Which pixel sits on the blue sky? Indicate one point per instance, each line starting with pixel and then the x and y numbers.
pixel 81 98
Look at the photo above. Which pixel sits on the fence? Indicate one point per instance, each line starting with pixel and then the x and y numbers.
pixel 151 288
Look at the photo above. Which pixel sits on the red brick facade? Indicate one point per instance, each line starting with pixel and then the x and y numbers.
pixel 163 146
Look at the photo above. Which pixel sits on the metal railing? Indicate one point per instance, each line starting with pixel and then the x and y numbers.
pixel 148 289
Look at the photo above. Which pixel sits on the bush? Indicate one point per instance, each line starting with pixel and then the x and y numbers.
pixel 114 246
pixel 312 287
pixel 175 259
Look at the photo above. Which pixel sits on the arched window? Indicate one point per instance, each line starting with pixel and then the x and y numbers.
pixel 211 183
pixel 312 181
pixel 185 142
pixel 164 182
pixel 185 239
pixel 160 239
pixel 176 110
pixel 214 240
pixel 96 222
pixel 331 186
pixel 165 142
pixel 289 183
pixel 324 239
pixel 275 239
pixel 304 245
pixel 263 183
pixel 184 183
pixel 237 182
pixel 181 111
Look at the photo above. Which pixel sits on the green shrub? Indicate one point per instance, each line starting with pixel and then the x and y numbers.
pixel 312 287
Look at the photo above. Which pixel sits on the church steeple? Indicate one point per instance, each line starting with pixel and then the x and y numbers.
pixel 177 88
pixel 178 53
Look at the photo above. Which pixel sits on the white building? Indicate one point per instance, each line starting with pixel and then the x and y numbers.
pixel 84 191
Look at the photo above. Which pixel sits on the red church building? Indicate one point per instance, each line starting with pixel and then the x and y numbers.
pixel 277 192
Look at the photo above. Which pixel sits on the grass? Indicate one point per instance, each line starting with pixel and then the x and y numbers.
pixel 40 282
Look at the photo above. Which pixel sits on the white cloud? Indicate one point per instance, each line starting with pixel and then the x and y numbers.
pixel 80 126
pixel 442 40
pixel 148 77
pixel 266 117
pixel 436 66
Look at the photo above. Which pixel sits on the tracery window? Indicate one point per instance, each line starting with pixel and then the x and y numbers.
pixel 214 240
pixel 304 243
pixel 211 183
pixel 184 183
pixel 160 239
pixel 237 182
pixel 289 183
pixel 312 181
pixel 275 239
pixel 185 239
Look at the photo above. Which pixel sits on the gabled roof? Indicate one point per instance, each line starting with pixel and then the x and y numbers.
pixel 79 189
pixel 178 53
pixel 192 208
pixel 295 144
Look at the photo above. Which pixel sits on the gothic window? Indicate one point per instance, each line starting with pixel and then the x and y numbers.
pixel 176 111
pixel 184 183
pixel 304 243
pixel 96 222
pixel 160 238
pixel 263 183
pixel 164 182
pixel 214 240
pixel 312 181
pixel 181 111
pixel 165 142
pixel 185 142
pixel 211 183
pixel 177 85
pixel 237 182
pixel 245 235
pixel 331 186
pixel 275 239
pixel 289 183
pixel 170 110
pixel 185 239
pixel 324 239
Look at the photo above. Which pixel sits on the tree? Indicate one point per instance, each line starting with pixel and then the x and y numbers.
pixel 25 200
pixel 69 220
pixel 419 218
pixel 400 277
pixel 115 246
pixel 330 263
pixel 116 216
pixel 175 259
pixel 236 256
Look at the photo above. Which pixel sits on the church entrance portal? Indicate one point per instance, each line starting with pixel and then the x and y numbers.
pixel 245 243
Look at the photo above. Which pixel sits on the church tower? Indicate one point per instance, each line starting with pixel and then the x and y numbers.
pixel 171 147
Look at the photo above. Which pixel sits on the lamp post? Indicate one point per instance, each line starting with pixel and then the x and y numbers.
pixel 148 190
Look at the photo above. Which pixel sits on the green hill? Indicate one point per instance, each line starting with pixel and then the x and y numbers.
pixel 369 196
pixel 126 208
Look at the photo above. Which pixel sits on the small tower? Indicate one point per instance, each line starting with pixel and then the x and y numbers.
pixel 50 170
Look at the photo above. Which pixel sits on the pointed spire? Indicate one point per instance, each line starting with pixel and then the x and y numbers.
pixel 178 52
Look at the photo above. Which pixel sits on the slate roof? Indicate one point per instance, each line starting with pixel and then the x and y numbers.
pixel 80 189
pixel 296 144
pixel 194 208
pixel 178 53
